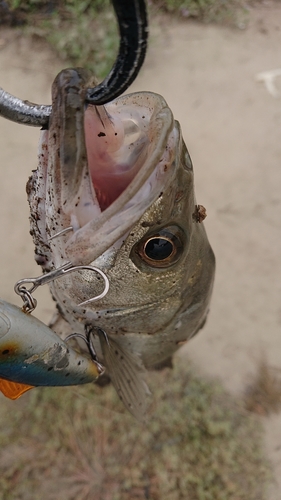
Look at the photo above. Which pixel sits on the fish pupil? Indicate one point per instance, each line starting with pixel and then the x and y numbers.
pixel 158 248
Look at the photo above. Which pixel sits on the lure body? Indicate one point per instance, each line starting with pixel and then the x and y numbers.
pixel 118 180
pixel 32 354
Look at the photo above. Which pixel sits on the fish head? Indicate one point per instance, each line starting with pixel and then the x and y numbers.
pixel 115 190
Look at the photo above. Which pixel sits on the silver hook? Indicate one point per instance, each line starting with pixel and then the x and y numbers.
pixel 89 330
pixel 26 294
pixel 90 346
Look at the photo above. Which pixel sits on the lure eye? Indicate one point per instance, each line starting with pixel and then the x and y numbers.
pixel 163 248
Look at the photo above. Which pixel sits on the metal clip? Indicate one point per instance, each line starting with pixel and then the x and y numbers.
pixel 26 294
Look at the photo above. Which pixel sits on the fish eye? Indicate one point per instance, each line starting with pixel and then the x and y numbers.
pixel 163 248
pixel 158 248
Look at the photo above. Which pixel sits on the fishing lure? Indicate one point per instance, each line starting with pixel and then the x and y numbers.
pixel 37 357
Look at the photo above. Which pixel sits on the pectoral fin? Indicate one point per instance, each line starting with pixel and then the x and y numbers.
pixel 13 390
pixel 127 375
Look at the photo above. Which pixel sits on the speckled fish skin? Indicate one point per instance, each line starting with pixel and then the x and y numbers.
pixel 152 306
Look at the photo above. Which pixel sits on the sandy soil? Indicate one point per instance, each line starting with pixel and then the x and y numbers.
pixel 231 125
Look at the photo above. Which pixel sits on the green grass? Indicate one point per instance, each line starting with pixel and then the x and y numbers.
pixel 84 32
pixel 80 443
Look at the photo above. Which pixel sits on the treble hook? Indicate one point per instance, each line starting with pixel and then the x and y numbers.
pixel 89 330
pixel 29 301
pixel 132 21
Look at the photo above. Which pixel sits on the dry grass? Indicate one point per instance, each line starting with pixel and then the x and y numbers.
pixel 232 12
pixel 263 395
pixel 81 444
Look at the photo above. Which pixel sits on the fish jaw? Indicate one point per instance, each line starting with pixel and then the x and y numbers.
pixel 31 353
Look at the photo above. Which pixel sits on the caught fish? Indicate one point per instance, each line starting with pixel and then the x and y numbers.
pixel 114 188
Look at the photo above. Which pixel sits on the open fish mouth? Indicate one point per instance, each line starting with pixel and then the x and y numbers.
pixel 116 144
pixel 105 166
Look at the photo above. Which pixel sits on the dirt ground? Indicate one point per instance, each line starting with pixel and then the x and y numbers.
pixel 231 124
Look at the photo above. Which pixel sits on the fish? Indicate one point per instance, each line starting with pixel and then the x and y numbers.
pixel 114 188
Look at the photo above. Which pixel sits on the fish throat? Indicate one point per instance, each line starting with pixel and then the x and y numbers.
pixel 116 147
